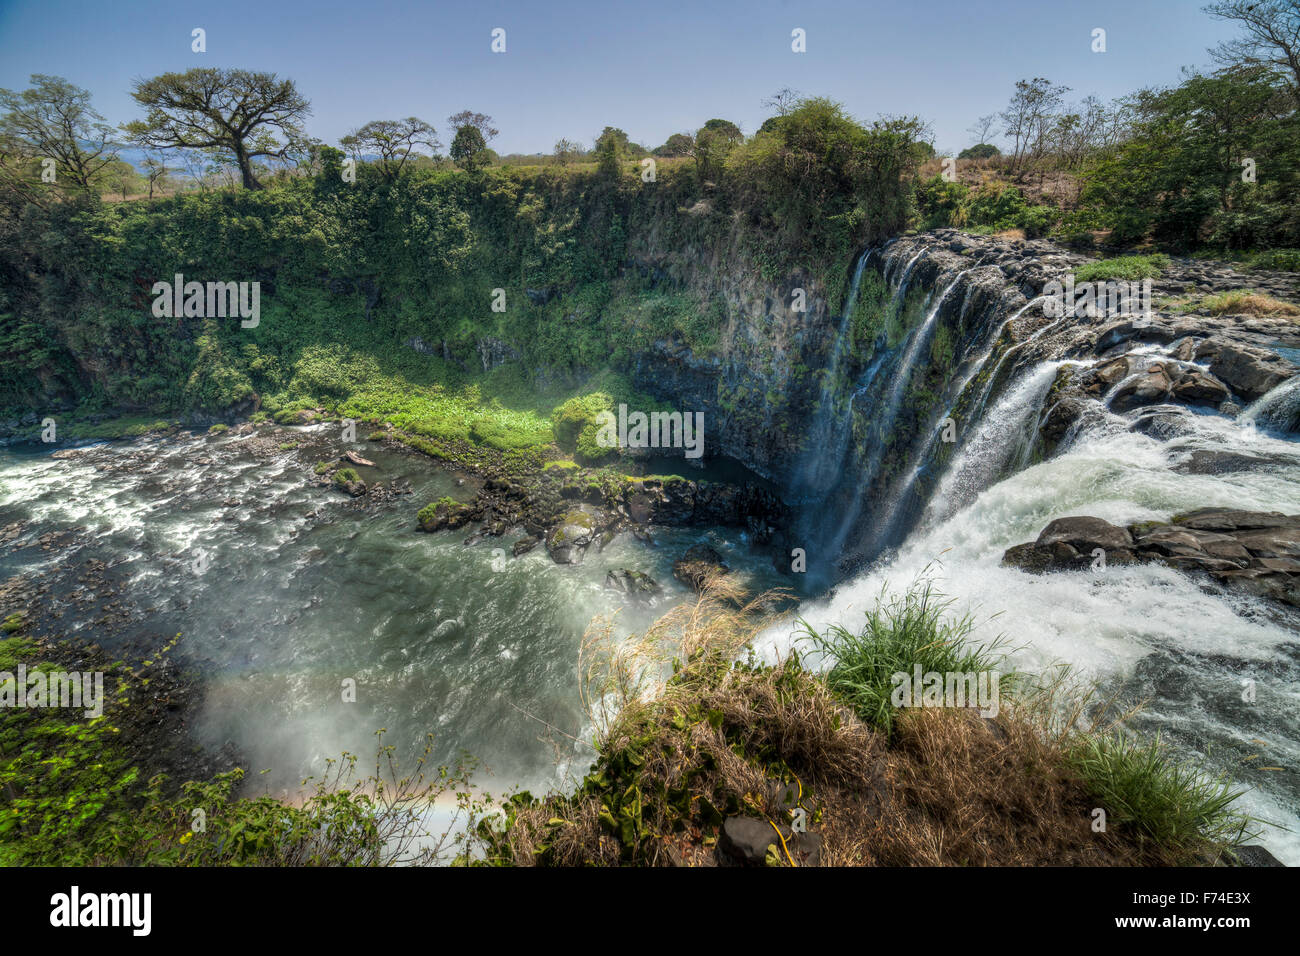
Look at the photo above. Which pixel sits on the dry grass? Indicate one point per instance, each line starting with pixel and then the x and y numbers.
pixel 679 753
pixel 1245 302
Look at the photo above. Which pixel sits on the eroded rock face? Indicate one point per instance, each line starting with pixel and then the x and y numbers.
pixel 1253 550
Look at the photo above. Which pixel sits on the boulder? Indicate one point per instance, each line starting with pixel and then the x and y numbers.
pixel 1255 551
pixel 568 543
pixel 635 584
pixel 745 840
pixel 698 563
pixel 1148 387
pixel 444 515
pixel 1250 372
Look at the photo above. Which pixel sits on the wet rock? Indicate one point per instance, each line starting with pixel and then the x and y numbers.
pixel 568 543
pixel 697 564
pixel 1258 552
pixel 636 584
pixel 1145 388
pixel 1085 533
pixel 1205 462
pixel 524 545
pixel 1255 856
pixel 445 514
pixel 1250 372
pixel 1163 422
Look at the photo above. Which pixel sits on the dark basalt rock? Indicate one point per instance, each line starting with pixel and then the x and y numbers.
pixel 1255 551
pixel 568 543
pixel 1255 856
pixel 636 584
pixel 1250 372
pixel 697 564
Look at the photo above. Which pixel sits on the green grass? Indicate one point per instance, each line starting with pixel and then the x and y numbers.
pixel 1123 268
pixel 1140 784
pixel 900 632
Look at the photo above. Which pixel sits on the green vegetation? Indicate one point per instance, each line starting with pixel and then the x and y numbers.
pixel 1169 802
pixel 881 785
pixel 1245 302
pixel 72 794
pixel 901 631
pixel 1124 268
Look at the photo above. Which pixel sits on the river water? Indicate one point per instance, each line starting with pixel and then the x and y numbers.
pixel 283 589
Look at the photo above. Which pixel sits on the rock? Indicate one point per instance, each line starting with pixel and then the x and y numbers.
pixel 1163 422
pixel 1060 417
pixel 493 352
pixel 745 840
pixel 1200 388
pixel 568 543
pixel 697 564
pixel 1258 552
pixel 805 848
pixel 1144 388
pixel 1205 462
pixel 445 514
pixel 1231 519
pixel 1085 533
pixel 1255 856
pixel 636 584
pixel 1250 372
pixel 524 545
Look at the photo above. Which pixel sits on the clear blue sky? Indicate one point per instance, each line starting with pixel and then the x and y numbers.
pixel 653 67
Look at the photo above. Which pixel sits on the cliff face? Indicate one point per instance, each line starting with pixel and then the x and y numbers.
pixel 759 388
pixel 856 410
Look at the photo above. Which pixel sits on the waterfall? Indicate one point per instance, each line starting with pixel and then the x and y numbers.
pixel 1279 409
pixel 1002 440
pixel 829 432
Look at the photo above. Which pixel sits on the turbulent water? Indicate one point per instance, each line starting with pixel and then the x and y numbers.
pixel 302 591
pixel 1144 633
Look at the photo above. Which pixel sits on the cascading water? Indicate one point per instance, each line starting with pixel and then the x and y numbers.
pixel 1142 632
pixel 829 432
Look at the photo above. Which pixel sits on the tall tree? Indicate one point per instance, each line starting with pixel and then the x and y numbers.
pixel 236 111
pixel 1030 116
pixel 713 141
pixel 1270 35
pixel 566 151
pixel 611 151
pixel 473 131
pixel 54 119
pixel 395 141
